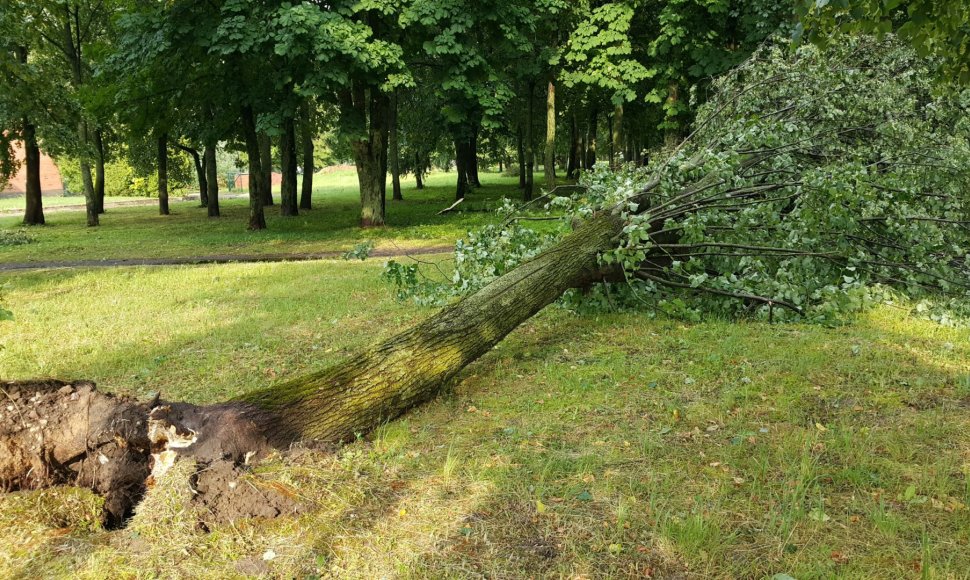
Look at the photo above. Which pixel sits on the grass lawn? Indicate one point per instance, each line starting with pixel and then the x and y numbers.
pixel 139 232
pixel 609 446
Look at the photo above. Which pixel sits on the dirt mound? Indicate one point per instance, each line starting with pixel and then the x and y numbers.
pixel 68 433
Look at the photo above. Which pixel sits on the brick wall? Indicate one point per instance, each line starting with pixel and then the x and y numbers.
pixel 50 176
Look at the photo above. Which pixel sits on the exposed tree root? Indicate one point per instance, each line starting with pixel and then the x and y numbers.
pixel 67 433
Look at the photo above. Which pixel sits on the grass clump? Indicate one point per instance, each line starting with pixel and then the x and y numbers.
pixel 18 237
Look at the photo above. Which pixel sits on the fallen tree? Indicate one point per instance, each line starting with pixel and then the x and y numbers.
pixel 811 181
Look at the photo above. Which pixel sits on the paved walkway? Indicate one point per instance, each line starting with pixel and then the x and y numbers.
pixel 216 259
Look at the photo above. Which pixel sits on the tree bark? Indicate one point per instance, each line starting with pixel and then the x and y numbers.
pixel 406 370
pixel 163 175
pixel 530 155
pixel 306 193
pixel 200 173
pixel 90 199
pixel 288 199
pixel 257 218
pixel 472 159
pixel 99 170
pixel 266 165
pixel 591 130
pixel 461 167
pixel 617 146
pixel 550 164
pixel 211 181
pixel 34 212
pixel 395 153
pixel 521 152
pixel 418 171
pixel 369 158
pixel 572 166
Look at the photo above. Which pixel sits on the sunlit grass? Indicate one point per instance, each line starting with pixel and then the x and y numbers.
pixel 139 232
pixel 613 445
pixel 9 204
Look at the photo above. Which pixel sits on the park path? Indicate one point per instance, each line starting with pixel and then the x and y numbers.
pixel 216 259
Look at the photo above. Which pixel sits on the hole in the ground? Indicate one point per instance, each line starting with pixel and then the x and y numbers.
pixel 67 433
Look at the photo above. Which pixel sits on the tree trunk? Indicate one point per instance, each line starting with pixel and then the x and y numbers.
pixel 34 213
pixel 306 192
pixel 288 200
pixel 418 171
pixel 572 166
pixel 211 181
pixel 406 370
pixel 99 170
pixel 550 165
pixel 461 167
pixel 591 138
pixel 395 153
pixel 257 218
pixel 114 445
pixel 266 165
pixel 530 155
pixel 472 162
pixel 90 199
pixel 163 175
pixel 369 158
pixel 200 173
pixel 521 153
pixel 617 145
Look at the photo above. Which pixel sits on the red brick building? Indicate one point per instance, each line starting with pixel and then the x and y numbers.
pixel 50 176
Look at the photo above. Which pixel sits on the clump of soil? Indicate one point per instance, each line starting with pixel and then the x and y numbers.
pixel 67 433
pixel 60 433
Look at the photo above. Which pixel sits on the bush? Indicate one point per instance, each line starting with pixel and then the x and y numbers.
pixel 120 180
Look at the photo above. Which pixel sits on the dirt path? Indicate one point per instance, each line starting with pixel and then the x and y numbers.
pixel 216 259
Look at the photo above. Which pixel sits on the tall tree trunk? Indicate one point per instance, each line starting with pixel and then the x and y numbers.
pixel 612 141
pixel 212 180
pixel 410 368
pixel 306 192
pixel 288 199
pixel 99 169
pixel 472 152
pixel 266 164
pixel 418 171
pixel 163 175
pixel 572 166
pixel 521 152
pixel 591 130
pixel 461 167
pixel 550 164
pixel 617 145
pixel 34 212
pixel 90 199
pixel 530 155
pixel 200 173
pixel 395 152
pixel 257 218
pixel 369 156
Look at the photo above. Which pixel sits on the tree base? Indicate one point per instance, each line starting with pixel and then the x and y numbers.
pixel 67 433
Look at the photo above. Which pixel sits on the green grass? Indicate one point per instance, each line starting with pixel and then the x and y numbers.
pixel 139 232
pixel 17 203
pixel 607 446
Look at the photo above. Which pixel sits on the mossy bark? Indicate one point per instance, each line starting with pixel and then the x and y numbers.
pixel 410 368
